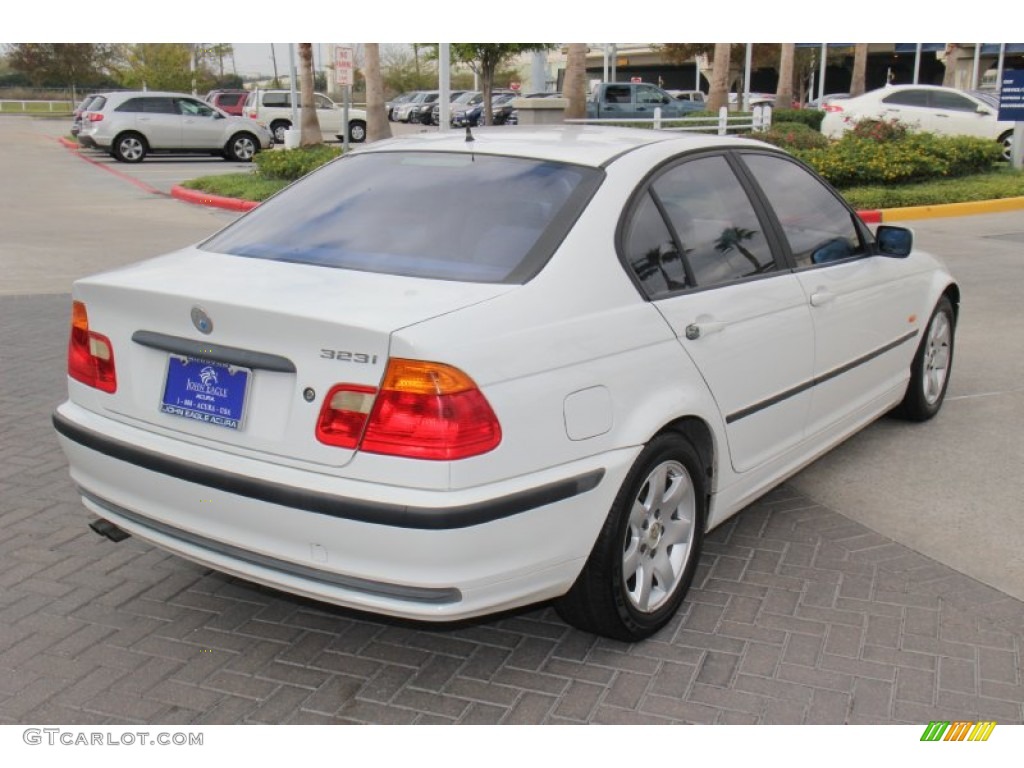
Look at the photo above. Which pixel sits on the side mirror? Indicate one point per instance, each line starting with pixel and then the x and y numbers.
pixel 894 241
pixel 982 110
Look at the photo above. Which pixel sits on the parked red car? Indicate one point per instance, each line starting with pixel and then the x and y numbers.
pixel 230 101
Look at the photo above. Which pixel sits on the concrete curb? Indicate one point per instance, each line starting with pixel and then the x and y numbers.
pixel 953 209
pixel 69 143
pixel 215 201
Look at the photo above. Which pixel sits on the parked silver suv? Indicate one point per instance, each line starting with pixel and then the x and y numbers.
pixel 133 124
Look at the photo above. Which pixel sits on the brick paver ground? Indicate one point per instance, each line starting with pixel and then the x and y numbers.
pixel 798 615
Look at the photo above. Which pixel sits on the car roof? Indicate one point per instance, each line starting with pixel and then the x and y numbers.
pixel 577 144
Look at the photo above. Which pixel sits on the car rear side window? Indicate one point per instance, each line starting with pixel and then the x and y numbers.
pixel 820 229
pixel 444 215
pixel 908 98
pixel 651 251
pixel 154 105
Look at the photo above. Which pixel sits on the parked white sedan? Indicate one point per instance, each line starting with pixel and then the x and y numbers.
pixel 945 111
pixel 446 375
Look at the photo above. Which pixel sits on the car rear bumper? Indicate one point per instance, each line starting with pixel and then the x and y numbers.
pixel 404 552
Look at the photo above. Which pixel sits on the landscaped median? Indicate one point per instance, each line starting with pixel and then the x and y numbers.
pixel 898 178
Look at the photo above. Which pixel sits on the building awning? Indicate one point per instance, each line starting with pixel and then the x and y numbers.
pixel 925 47
pixel 993 48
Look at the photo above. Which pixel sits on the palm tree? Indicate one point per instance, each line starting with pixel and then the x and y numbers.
pixel 377 125
pixel 575 84
pixel 655 260
pixel 719 95
pixel 731 238
pixel 860 67
pixel 784 92
pixel 310 123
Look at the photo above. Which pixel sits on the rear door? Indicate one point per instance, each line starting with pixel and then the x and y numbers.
pixel 617 101
pixel 703 253
pixel 157 117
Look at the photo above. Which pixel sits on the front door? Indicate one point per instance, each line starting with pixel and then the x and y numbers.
pixel 862 305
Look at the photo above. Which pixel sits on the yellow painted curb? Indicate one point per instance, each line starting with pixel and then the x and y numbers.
pixel 953 209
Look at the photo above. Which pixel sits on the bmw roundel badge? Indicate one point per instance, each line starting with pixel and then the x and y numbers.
pixel 201 320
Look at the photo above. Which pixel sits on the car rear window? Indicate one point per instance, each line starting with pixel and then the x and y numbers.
pixel 448 216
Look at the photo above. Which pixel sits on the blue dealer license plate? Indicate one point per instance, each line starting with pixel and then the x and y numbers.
pixel 205 391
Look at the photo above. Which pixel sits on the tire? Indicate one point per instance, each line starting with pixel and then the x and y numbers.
pixel 241 148
pixel 129 148
pixel 635 578
pixel 1006 141
pixel 278 127
pixel 356 131
pixel 932 365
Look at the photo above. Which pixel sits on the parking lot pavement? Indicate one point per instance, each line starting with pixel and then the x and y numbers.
pixel 952 488
pixel 800 612
pixel 798 615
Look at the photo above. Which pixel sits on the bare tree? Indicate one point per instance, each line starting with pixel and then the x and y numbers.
pixel 310 123
pixel 719 95
pixel 575 85
pixel 860 68
pixel 377 125
pixel 784 91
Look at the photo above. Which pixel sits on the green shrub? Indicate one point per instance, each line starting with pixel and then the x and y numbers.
pixel 855 160
pixel 292 164
pixel 792 136
pixel 810 117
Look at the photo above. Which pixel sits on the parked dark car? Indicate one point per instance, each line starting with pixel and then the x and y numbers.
pixel 475 115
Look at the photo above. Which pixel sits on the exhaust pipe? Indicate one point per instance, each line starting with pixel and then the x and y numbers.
pixel 109 530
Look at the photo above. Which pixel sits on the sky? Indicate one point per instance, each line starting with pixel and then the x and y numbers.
pixel 404 21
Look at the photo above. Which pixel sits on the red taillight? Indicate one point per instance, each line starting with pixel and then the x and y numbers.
pixel 90 355
pixel 832 108
pixel 94 117
pixel 423 411
pixel 343 417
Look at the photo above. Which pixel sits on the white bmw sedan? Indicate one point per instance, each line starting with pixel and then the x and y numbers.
pixel 448 375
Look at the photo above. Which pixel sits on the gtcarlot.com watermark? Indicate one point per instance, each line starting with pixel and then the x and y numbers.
pixel 80 738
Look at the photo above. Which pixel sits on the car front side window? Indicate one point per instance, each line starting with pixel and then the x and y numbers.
pixel 191 108
pixel 953 101
pixel 819 228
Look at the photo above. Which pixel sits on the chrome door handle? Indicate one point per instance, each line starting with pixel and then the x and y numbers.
pixel 695 331
pixel 821 298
